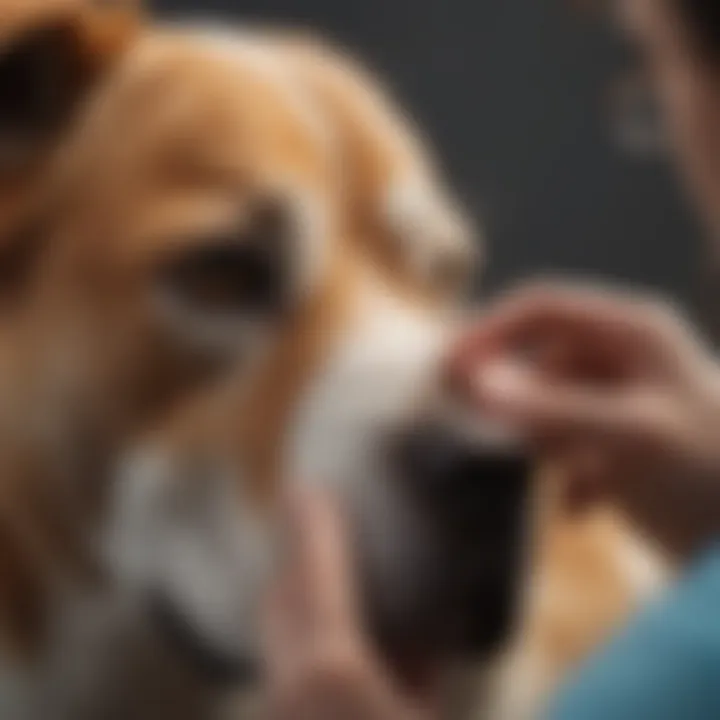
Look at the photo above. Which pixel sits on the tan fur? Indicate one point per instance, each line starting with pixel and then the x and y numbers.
pixel 381 151
pixel 99 33
pixel 589 573
pixel 36 542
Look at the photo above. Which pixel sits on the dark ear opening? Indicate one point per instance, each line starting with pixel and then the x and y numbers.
pixel 42 74
pixel 49 66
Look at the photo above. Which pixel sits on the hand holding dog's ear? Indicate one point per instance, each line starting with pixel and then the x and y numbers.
pixel 320 663
pixel 618 379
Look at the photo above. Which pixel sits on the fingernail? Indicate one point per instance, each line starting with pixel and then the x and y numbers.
pixel 502 381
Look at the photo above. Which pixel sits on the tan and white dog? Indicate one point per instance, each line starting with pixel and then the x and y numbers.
pixel 248 272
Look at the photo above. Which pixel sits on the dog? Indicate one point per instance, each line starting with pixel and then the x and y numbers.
pixel 249 271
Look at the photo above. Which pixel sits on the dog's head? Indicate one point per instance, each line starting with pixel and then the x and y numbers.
pixel 242 324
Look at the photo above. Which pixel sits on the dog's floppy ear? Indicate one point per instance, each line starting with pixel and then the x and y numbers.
pixel 396 198
pixel 51 52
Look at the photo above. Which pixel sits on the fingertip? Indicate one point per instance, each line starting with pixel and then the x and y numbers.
pixel 462 367
pixel 502 381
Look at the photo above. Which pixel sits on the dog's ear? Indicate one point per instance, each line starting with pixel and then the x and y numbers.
pixel 51 53
pixel 396 198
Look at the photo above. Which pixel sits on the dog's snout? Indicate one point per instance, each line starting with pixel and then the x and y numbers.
pixel 443 463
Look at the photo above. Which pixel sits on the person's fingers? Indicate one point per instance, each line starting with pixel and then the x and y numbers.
pixel 312 596
pixel 591 318
pixel 545 408
pixel 322 559
pixel 526 312
pixel 310 637
pixel 317 663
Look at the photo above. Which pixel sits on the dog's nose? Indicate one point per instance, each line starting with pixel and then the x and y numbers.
pixel 474 493
pixel 451 468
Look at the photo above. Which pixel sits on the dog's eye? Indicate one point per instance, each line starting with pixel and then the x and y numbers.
pixel 240 272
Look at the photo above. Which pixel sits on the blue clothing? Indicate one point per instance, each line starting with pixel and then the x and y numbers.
pixel 665 666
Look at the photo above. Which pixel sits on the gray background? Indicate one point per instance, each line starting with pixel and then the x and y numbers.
pixel 512 92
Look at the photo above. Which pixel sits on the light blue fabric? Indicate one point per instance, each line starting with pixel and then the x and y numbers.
pixel 664 666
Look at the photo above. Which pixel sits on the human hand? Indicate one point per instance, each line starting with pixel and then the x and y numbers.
pixel 320 663
pixel 617 386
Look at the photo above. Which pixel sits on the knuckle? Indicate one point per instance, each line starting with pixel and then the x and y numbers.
pixel 658 419
pixel 536 294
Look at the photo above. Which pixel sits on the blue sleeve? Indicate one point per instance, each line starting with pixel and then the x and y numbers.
pixel 665 666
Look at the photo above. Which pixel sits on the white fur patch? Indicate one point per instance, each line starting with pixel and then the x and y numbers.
pixel 187 532
pixel 378 374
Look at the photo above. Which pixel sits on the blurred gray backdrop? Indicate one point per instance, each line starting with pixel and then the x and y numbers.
pixel 513 94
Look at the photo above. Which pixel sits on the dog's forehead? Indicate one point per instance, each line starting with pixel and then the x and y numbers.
pixel 218 105
pixel 189 128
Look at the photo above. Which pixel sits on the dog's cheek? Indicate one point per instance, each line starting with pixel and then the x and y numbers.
pixel 187 534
